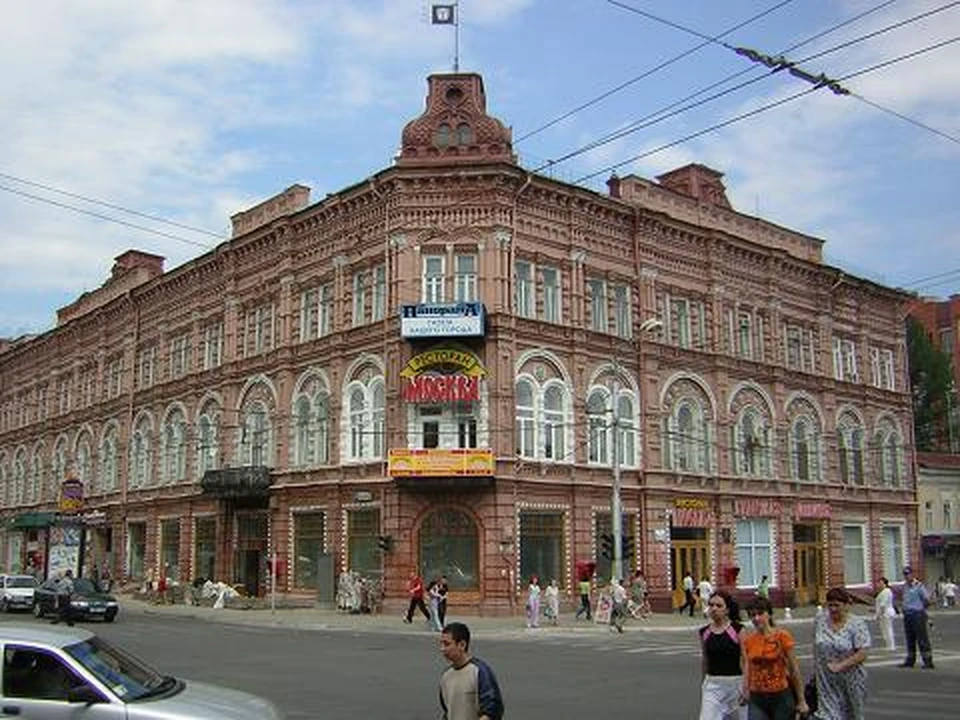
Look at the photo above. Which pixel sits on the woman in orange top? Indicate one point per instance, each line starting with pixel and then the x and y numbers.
pixel 771 674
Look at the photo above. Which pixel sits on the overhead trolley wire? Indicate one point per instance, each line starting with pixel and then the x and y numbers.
pixel 647 73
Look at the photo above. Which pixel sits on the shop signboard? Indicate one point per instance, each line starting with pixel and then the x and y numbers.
pixel 442 375
pixel 64 550
pixel 71 496
pixel 433 462
pixel 439 320
pixel 756 507
pixel 807 510
pixel 691 512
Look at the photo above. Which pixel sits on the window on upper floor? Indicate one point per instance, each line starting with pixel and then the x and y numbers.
pixel 174 447
pixel 799 347
pixel 751 436
pixel 309 314
pixel 326 310
pixel 359 298
pixel 850 449
pixel 946 341
pixel 688 434
pixel 554 411
pixel 805 449
pixel 744 330
pixel 598 430
pixel 928 515
pixel 551 294
pixel 845 360
pixel 212 345
pixel 180 355
pixel 465 278
pixel 622 311
pixel 947 515
pixel 63 395
pixel 257 333
pixel 114 384
pixel 433 278
pixel 256 435
pixel 146 367
pixel 523 289
pixel 598 305
pixel 379 307
pixel 680 321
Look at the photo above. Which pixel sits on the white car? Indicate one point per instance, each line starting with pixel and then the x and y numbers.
pixel 54 673
pixel 16 592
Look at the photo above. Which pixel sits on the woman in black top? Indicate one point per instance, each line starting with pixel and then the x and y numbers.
pixel 721 661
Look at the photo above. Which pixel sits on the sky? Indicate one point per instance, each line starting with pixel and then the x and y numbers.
pixel 190 111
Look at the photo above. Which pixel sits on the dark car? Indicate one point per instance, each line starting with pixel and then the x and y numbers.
pixel 86 600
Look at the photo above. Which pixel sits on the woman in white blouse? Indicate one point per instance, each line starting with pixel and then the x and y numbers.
pixel 885 612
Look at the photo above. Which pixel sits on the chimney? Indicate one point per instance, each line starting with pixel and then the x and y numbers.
pixel 698 182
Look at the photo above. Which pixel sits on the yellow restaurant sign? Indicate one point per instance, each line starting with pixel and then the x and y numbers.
pixel 440 463
pixel 468 363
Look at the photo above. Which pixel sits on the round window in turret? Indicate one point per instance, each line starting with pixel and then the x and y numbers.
pixel 454 95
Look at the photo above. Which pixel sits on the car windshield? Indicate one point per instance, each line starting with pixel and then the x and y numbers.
pixel 128 677
pixel 83 586
pixel 21 582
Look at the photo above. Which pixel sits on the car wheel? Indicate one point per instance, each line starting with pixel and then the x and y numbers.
pixel 37 610
pixel 109 617
pixel 4 607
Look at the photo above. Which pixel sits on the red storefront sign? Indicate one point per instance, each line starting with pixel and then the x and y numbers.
pixel 812 510
pixel 692 518
pixel 756 507
pixel 441 389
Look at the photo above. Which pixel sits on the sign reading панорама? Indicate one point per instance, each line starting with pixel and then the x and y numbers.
pixel 462 319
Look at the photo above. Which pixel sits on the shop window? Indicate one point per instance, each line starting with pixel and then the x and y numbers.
pixel 170 548
pixel 541 547
pixel 893 551
pixel 449 545
pixel 363 554
pixel 854 555
pixel 205 548
pixel 136 550
pixel 753 552
pixel 308 529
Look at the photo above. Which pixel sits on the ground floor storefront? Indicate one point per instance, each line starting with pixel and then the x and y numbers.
pixel 487 536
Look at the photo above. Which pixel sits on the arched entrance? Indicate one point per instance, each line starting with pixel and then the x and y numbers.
pixel 449 545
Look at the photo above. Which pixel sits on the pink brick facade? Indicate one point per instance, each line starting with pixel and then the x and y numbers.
pixel 763 418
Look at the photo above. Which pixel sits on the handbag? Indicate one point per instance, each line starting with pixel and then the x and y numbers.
pixel 810 694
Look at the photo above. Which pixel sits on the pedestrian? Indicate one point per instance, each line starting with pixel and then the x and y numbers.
pixel 772 676
pixel 415 591
pixel 840 644
pixel 688 598
pixel 64 593
pixel 468 688
pixel 950 592
pixel 639 605
pixel 584 588
pixel 884 611
pixel 763 589
pixel 721 696
pixel 533 603
pixel 704 590
pixel 433 594
pixel 916 600
pixel 551 596
pixel 443 587
pixel 618 596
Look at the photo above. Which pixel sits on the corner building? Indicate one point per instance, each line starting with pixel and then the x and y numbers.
pixel 430 370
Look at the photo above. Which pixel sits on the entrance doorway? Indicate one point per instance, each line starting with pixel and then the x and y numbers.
pixel 808 564
pixel 689 552
pixel 250 567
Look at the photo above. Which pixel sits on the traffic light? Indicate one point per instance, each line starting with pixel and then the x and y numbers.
pixel 606 543
pixel 627 546
pixel 385 542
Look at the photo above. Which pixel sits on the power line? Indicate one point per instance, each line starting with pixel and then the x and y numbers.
pixel 101 216
pixel 667 112
pixel 648 73
pixel 112 206
pixel 762 108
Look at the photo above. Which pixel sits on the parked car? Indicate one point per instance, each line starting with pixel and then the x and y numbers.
pixel 16 592
pixel 58 673
pixel 86 601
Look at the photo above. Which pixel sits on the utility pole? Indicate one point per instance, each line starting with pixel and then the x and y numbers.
pixel 616 511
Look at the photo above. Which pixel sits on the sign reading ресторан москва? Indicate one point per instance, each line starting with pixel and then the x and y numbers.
pixel 442 375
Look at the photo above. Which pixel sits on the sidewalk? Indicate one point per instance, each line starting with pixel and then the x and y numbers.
pixel 315 618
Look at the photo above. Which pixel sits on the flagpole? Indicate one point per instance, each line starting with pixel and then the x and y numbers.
pixel 456 37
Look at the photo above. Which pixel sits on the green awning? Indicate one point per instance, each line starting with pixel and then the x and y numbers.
pixel 32 520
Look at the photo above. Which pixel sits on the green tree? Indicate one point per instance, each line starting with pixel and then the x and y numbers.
pixel 931 382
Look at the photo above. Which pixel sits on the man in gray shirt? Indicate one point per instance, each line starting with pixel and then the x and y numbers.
pixel 916 600
pixel 468 688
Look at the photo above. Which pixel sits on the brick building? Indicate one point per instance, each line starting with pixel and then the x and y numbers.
pixel 941 320
pixel 426 370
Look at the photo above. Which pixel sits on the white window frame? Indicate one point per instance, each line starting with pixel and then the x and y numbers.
pixel 212 345
pixel 526 420
pixel 622 311
pixel 599 320
pixel 325 325
pixel 552 297
pixel 379 306
pixel 465 288
pixel 680 321
pixel 523 290
pixel 752 572
pixel 864 550
pixel 433 281
pixel 359 298
pixel 598 427
pixel 309 314
pixel 888 377
pixel 894 553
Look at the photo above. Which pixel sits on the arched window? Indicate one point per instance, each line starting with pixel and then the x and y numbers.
pixel 628 432
pixel 304 437
pixel 59 473
pixel 464 134
pixel 358 412
pixel 751 444
pixel 441 137
pixel 84 460
pixel 140 454
pixel 597 430
pixel 379 419
pixel 108 459
pixel 850 449
pixel 323 428
pixel 449 545
pixel 804 450
pixel 525 420
pixel 207 442
pixel 893 454
pixel 37 476
pixel 255 436
pixel 553 423
pixel 19 478
pixel 687 431
pixel 175 447
pixel 6 480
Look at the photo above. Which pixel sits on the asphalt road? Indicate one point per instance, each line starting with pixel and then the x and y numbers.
pixel 346 674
